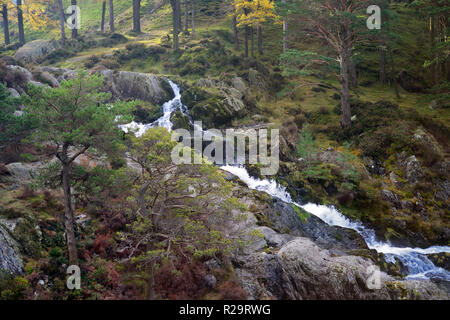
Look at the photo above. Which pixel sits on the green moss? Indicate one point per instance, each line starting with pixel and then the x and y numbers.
pixel 301 213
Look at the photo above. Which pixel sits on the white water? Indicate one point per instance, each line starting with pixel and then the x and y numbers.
pixel 414 259
pixel 168 108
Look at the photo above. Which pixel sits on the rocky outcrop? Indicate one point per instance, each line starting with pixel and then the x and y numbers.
pixel 10 260
pixel 216 106
pixel 19 174
pixel 33 51
pixel 413 170
pixel 134 85
pixel 291 254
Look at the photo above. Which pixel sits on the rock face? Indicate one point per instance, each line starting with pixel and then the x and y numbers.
pixel 18 174
pixel 10 260
pixel 294 255
pixel 413 170
pixel 133 85
pixel 216 106
pixel 35 50
pixel 285 219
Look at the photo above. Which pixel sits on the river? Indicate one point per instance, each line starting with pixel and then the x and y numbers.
pixel 414 259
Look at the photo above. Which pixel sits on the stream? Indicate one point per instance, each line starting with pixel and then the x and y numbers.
pixel 414 259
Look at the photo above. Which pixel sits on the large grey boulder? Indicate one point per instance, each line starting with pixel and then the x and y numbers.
pixel 35 50
pixel 21 72
pixel 302 270
pixel 414 172
pixel 10 260
pixel 19 174
pixel 134 85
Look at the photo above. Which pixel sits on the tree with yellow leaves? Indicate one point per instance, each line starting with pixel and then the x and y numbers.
pixel 252 14
pixel 34 12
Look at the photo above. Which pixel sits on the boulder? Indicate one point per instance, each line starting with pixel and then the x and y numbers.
pixel 256 80
pixel 13 93
pixel 48 78
pixel 391 197
pixel 10 259
pixel 285 219
pixel 413 170
pixel 19 174
pixel 134 85
pixel 20 72
pixel 35 50
pixel 239 84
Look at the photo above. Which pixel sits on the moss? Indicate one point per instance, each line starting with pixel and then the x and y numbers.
pixel 301 213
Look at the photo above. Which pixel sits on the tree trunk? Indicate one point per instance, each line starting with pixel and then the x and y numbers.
pixel 437 70
pixel 352 73
pixel 74 30
pixel 68 214
pixel 252 42
pixel 393 73
pixel 186 16
pixel 193 19
pixel 20 22
pixel 111 16
pixel 383 61
pixel 236 34
pixel 5 23
pixel 102 24
pixel 174 4
pixel 150 294
pixel 285 31
pixel 246 40
pixel 62 22
pixel 346 120
pixel 137 16
pixel 260 41
pixel 179 20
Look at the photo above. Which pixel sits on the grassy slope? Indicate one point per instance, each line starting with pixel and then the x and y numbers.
pixel 213 21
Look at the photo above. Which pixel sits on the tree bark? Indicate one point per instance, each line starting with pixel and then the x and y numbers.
pixel 102 23
pixel 285 31
pixel 175 20
pixel 150 294
pixel 62 22
pixel 179 20
pixel 186 16
pixel 137 16
pixel 352 73
pixel 246 40
pixel 346 120
pixel 74 30
pixel 260 41
pixel 236 34
pixel 20 22
pixel 5 23
pixel 393 72
pixel 437 70
pixel 383 61
pixel 68 212
pixel 252 42
pixel 193 18
pixel 111 16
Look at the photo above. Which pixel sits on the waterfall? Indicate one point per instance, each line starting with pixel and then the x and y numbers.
pixel 414 259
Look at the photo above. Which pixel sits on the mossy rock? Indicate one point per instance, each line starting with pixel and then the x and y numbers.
pixel 180 121
pixel 147 113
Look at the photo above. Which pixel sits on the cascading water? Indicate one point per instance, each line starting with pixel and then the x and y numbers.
pixel 164 121
pixel 414 259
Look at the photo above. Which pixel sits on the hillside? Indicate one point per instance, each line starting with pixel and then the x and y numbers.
pixel 356 191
